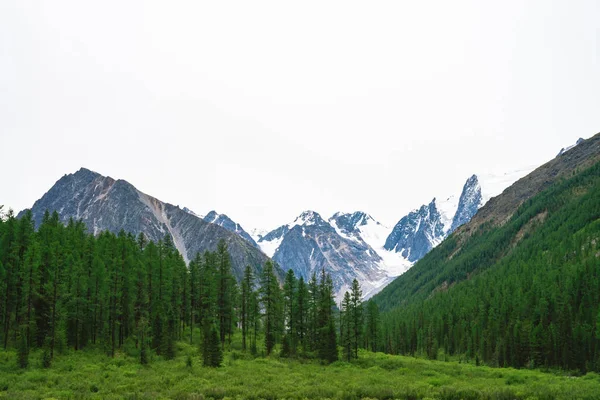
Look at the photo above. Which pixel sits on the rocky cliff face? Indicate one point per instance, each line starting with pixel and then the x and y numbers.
pixel 310 244
pixel 417 233
pixel 470 201
pixel 224 221
pixel 106 204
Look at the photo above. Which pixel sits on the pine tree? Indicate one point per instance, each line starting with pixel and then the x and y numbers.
pixel 356 315
pixel 246 307
pixel 302 297
pixel 224 292
pixel 269 299
pixel 212 355
pixel 372 326
pixel 327 337
pixel 346 322
pixel 289 298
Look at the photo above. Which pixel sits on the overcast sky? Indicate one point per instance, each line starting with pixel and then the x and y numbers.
pixel 263 109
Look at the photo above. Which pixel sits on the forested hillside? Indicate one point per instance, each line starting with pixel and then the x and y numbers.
pixel 520 293
pixel 62 288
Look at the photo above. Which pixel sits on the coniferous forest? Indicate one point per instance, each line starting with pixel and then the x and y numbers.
pixel 522 295
pixel 65 289
pixel 525 294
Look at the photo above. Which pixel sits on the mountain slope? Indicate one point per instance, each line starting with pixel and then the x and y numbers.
pixel 500 208
pixel 104 203
pixel 459 256
pixel 417 233
pixel 363 228
pixel 310 244
pixel 422 229
pixel 224 221
pixel 523 292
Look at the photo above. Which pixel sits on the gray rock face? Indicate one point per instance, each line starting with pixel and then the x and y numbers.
pixel 349 223
pixel 223 220
pixel 417 233
pixel 276 234
pixel 470 201
pixel 310 244
pixel 423 229
pixel 106 204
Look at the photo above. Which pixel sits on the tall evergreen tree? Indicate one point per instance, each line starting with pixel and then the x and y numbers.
pixel 356 315
pixel 269 299
pixel 289 306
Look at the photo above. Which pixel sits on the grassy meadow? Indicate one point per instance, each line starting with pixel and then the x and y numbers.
pixel 92 375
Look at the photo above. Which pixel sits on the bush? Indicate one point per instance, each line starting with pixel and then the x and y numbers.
pixel 46 358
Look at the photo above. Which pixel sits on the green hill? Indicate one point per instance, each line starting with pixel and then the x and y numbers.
pixel 517 286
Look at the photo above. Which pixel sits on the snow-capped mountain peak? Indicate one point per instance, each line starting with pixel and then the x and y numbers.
pixel 307 218
pixel 470 201
pixel 348 223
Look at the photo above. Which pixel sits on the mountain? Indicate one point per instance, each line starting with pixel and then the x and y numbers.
pixel 565 149
pixel 424 228
pixel 362 227
pixel 310 244
pixel 517 285
pixel 224 221
pixel 104 203
pixel 470 201
pixel 417 233
pixel 372 252
pixel 452 256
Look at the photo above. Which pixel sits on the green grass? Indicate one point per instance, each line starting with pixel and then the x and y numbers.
pixel 91 375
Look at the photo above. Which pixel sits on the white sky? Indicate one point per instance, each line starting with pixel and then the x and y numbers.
pixel 263 109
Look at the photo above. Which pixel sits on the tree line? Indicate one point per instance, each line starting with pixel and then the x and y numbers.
pixel 63 288
pixel 523 294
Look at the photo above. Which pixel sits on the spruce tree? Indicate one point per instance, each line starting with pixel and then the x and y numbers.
pixel 290 315
pixel 302 299
pixel 246 306
pixel 356 315
pixel 346 323
pixel 225 282
pixel 372 326
pixel 269 299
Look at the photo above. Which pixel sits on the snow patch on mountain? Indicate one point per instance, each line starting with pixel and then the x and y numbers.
pixel 270 247
pixel 447 208
pixel 565 149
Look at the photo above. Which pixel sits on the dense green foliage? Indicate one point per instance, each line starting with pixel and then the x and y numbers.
pixel 61 288
pixel 129 318
pixel 91 374
pixel 525 293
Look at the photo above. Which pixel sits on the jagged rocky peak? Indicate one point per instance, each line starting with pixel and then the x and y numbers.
pixel 224 221
pixel 417 233
pixel 310 244
pixel 309 217
pixel 470 201
pixel 187 210
pixel 349 222
pixel 106 204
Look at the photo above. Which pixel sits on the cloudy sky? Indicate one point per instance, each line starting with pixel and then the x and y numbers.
pixel 264 109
